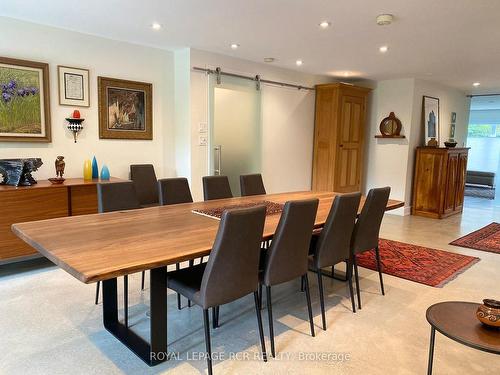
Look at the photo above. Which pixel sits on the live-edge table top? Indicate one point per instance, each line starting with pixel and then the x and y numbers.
pixel 104 246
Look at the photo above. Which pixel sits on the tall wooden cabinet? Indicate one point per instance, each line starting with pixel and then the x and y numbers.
pixel 439 181
pixel 339 137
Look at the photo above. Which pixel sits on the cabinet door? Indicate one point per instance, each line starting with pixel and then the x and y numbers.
pixel 349 144
pixel 461 173
pixel 451 183
pixel 324 137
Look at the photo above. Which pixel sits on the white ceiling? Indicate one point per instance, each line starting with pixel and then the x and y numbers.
pixel 455 42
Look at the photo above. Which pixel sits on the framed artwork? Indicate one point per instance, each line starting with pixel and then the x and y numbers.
pixel 431 118
pixel 24 101
pixel 125 109
pixel 73 86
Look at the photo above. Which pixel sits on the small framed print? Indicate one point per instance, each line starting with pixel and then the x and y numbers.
pixel 73 86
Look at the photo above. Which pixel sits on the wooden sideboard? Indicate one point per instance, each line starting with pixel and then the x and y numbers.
pixel 439 181
pixel 339 137
pixel 38 202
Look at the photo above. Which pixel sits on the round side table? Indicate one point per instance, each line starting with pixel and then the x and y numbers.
pixel 457 321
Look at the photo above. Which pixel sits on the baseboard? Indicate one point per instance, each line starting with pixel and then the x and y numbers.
pixel 402 211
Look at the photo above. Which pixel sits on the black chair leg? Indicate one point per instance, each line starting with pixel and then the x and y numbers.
pixel 349 266
pixel 177 267
pixel 321 299
pixel 259 322
pixel 215 317
pixel 260 296
pixel 356 277
pixel 125 299
pixel 191 264
pixel 302 284
pixel 379 269
pixel 97 292
pixel 142 279
pixel 270 316
pixel 333 271
pixel 309 308
pixel 206 324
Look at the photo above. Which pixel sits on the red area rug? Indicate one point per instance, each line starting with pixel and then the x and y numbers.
pixel 416 263
pixel 485 239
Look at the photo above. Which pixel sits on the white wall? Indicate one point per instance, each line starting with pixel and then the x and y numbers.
pixel 287 122
pixel 391 162
pixel 103 57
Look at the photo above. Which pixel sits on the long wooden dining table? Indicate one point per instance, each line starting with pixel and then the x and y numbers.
pixel 102 247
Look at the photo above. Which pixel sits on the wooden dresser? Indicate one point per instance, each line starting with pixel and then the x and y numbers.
pixel 38 202
pixel 339 137
pixel 439 181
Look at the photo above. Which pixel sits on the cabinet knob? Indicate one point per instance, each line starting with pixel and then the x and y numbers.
pixel 341 145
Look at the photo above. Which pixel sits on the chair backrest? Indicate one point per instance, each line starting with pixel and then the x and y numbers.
pixel 252 184
pixel 334 242
pixel 286 259
pixel 366 231
pixel 174 191
pixel 117 197
pixel 232 270
pixel 146 186
pixel 216 187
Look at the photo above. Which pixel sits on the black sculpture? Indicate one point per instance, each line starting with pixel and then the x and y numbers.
pixel 17 172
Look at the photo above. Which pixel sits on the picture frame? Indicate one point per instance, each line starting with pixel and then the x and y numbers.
pixel 74 86
pixel 430 119
pixel 125 109
pixel 24 101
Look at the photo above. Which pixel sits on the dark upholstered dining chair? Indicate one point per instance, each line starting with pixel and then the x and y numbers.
pixel 231 271
pixel 175 191
pixel 365 236
pixel 111 197
pixel 252 184
pixel 286 259
pixel 216 187
pixel 333 244
pixel 146 186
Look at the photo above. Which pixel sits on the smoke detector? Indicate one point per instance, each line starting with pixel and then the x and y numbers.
pixel 384 19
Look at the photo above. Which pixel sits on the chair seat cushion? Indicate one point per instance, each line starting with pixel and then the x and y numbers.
pixel 187 281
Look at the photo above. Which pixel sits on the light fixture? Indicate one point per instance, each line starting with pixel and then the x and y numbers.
pixel 269 59
pixel 384 19
pixel 346 74
pixel 234 45
pixel 325 24
pixel 299 62
pixel 383 49
pixel 476 84
pixel 156 26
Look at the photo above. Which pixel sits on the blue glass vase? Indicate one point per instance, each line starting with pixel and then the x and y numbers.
pixel 105 173
pixel 95 168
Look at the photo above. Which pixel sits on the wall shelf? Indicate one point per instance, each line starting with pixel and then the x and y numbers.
pixel 389 136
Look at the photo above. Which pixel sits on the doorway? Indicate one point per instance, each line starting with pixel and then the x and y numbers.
pixel 235 141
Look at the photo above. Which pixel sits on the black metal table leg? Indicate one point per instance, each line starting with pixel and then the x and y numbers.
pixel 431 351
pixel 155 351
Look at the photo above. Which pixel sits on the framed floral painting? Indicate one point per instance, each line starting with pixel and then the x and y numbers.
pixel 24 101
pixel 125 109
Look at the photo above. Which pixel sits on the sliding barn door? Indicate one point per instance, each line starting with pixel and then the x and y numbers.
pixel 350 144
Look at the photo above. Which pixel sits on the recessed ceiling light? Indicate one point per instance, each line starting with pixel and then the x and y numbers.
pixel 476 84
pixel 325 24
pixel 384 19
pixel 234 46
pixel 383 49
pixel 346 74
pixel 156 26
pixel 299 62
pixel 269 59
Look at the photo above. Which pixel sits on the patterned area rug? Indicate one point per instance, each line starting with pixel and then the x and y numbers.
pixel 485 239
pixel 416 263
pixel 216 213
pixel 479 192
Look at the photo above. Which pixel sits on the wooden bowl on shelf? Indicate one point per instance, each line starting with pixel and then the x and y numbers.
pixel 57 180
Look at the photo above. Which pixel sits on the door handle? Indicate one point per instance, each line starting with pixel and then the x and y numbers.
pixel 218 156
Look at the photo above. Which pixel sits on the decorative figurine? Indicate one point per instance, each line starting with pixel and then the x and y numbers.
pixel 105 173
pixel 60 164
pixel 87 170
pixel 17 172
pixel 75 123
pixel 95 168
